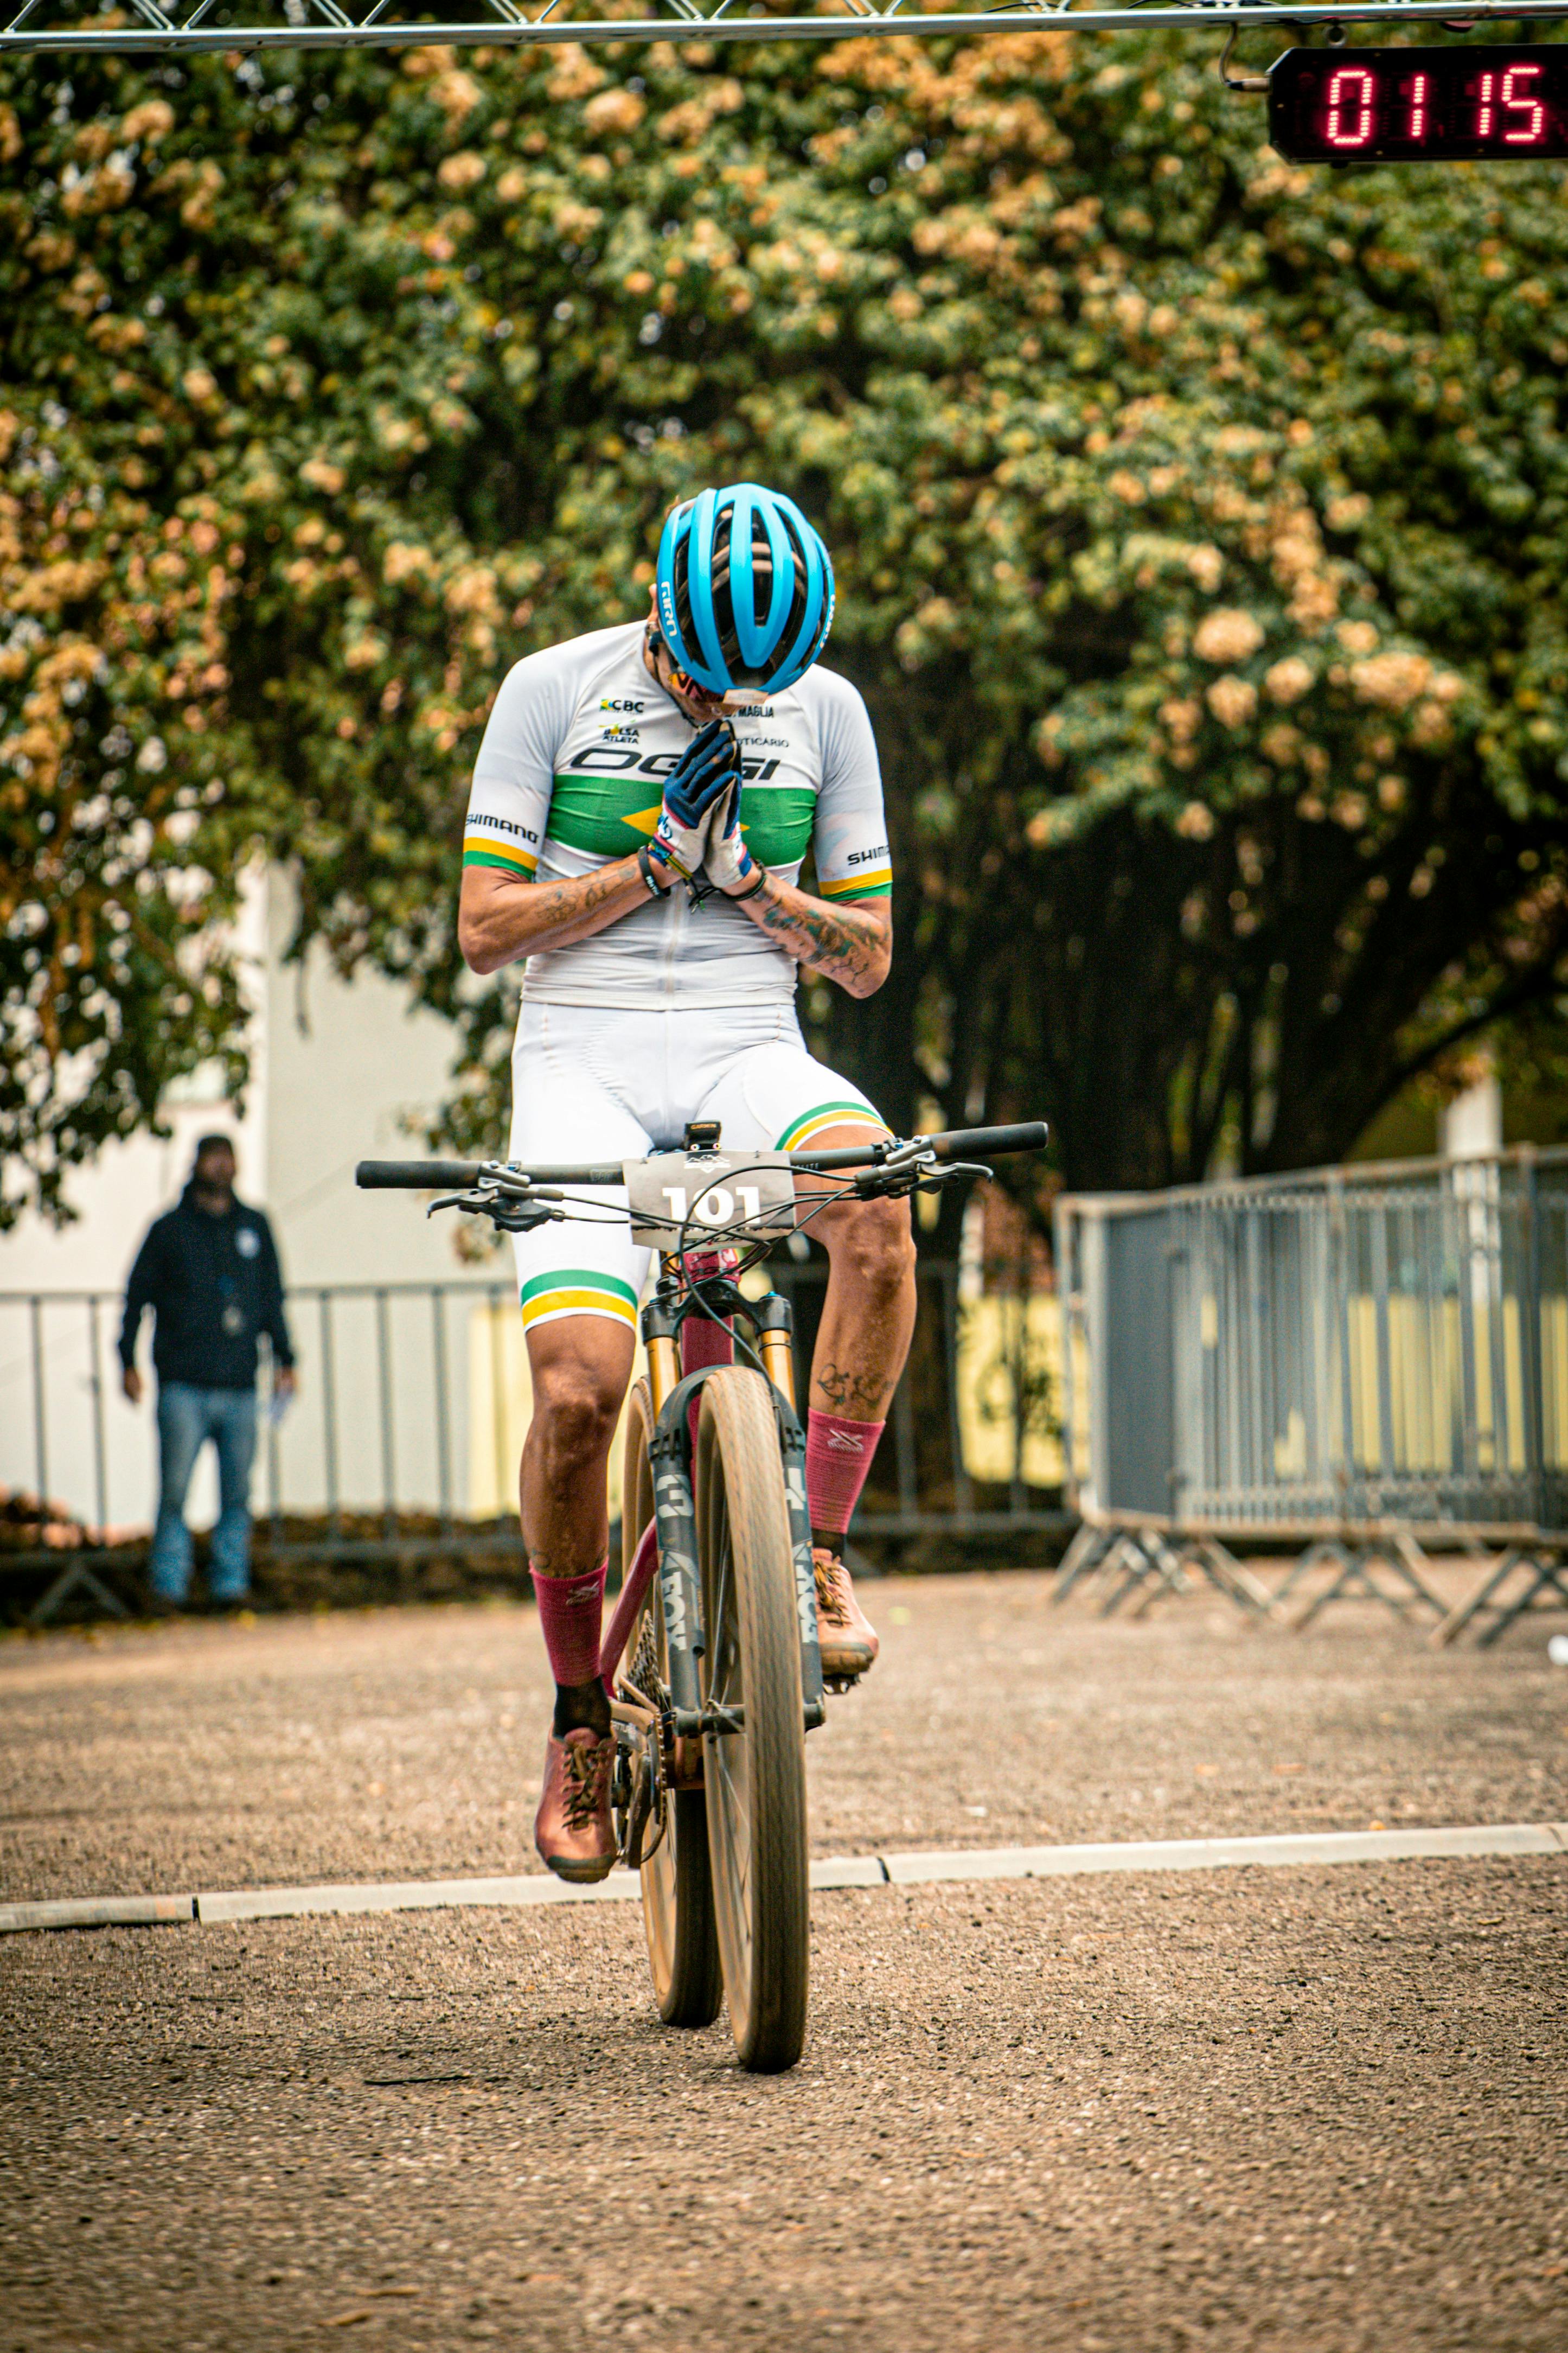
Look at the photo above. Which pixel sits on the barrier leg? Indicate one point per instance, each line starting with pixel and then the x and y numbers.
pixel 1128 1553
pixel 1460 1617
pixel 1168 1573
pixel 1548 1576
pixel 1409 1563
pixel 65 1584
pixel 1302 1565
pixel 1238 1584
pixel 1082 1557
pixel 1352 1578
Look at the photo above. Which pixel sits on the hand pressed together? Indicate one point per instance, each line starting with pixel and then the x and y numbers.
pixel 708 767
pixel 731 866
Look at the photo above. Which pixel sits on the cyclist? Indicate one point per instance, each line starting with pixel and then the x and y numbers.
pixel 707 746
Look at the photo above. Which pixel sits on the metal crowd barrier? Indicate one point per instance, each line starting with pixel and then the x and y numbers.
pixel 1370 1359
pixel 405 1433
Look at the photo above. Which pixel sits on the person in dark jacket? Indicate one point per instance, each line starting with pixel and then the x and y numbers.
pixel 209 1270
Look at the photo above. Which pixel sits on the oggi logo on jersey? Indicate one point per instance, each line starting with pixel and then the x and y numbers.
pixel 610 760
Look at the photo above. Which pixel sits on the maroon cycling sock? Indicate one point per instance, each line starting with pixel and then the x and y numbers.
pixel 569 1609
pixel 837 1456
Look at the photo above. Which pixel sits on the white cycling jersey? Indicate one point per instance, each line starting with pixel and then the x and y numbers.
pixel 571 774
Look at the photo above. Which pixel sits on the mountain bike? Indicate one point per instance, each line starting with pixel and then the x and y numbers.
pixel 712 1646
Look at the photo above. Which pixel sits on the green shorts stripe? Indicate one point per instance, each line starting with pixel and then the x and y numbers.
pixel 828 1114
pixel 577 1291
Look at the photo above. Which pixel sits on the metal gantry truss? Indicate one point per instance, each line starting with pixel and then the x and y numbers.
pixel 154 24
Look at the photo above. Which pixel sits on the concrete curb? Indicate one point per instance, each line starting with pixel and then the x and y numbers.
pixel 99 1912
pixel 850 1871
pixel 409 1896
pixel 1220 1854
pixel 1292 1851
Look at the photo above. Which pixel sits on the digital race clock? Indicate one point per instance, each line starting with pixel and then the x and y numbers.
pixel 1414 106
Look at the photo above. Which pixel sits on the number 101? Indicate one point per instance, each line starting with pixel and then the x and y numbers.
pixel 716 1206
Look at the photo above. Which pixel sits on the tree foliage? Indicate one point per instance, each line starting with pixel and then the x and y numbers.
pixel 1200 525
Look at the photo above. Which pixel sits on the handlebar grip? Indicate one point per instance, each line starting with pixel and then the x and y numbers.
pixel 414 1176
pixel 959 1143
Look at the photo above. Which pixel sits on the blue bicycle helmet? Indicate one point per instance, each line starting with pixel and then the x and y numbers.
pixel 745 589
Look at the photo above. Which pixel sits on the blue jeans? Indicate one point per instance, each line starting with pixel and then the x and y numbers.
pixel 187 1417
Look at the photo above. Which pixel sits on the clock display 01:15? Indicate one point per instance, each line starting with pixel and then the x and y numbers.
pixel 1412 106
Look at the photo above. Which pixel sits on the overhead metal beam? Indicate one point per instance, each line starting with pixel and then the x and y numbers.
pixel 35 26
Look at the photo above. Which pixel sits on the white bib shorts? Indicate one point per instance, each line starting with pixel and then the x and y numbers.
pixel 601 1083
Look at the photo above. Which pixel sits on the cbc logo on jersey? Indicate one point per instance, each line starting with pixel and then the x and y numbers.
pixel 609 702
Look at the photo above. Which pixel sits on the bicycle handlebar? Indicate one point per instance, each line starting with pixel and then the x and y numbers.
pixel 955 1144
pixel 436 1175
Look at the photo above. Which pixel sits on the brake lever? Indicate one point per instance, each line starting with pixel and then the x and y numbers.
pixel 510 1213
pixel 922 1175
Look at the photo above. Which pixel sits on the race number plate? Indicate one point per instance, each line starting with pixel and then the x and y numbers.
pixel 712 1193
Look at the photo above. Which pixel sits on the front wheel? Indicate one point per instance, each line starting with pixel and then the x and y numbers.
pixel 677 1886
pixel 754 1768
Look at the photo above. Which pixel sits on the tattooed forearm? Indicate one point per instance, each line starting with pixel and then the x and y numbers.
pixel 852 945
pixel 501 917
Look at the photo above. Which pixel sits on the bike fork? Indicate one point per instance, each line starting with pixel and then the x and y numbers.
pixel 774 1328
pixel 674 1511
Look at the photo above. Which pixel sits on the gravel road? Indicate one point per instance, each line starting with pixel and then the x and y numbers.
pixel 1303 2109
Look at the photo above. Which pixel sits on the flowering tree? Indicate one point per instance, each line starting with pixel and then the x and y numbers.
pixel 1198 521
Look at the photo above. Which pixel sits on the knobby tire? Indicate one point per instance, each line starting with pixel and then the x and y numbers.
pixel 677 1884
pixel 755 1777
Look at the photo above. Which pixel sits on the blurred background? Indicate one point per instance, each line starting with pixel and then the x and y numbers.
pixel 1198 528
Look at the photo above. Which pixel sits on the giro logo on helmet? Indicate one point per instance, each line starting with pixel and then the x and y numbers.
pixel 744 590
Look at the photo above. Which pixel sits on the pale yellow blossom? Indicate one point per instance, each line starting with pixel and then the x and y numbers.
pixel 1232 700
pixel 1392 680
pixel 1288 680
pixel 464 170
pixel 1226 635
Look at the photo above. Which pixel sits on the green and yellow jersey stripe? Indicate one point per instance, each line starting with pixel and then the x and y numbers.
pixel 876 884
pixel 488 850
